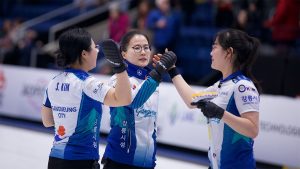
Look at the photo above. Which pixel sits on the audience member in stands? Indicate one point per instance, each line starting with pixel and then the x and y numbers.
pixel 284 24
pixel 118 22
pixel 139 22
pixel 224 13
pixel 164 24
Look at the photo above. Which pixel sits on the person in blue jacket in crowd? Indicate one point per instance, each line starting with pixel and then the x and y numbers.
pixel 164 22
pixel 131 143
pixel 233 115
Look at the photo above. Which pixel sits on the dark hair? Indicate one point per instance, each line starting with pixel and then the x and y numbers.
pixel 71 44
pixel 245 50
pixel 128 36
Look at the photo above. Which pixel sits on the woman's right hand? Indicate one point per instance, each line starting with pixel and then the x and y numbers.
pixel 156 58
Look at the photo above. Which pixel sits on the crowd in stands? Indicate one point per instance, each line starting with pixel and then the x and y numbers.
pixel 184 26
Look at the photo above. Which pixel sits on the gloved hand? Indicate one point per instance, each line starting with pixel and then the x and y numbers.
pixel 167 60
pixel 113 56
pixel 209 109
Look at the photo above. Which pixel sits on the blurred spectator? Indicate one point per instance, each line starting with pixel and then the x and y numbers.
pixel 139 22
pixel 16 43
pixel 249 20
pixel 118 22
pixel 164 24
pixel 188 9
pixel 224 14
pixel 14 34
pixel 6 44
pixel 25 47
pixel 285 22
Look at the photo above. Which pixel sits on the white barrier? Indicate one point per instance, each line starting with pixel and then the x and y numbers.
pixel 22 90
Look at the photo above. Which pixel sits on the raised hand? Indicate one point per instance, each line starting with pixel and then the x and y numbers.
pixel 113 56
pixel 209 109
pixel 163 64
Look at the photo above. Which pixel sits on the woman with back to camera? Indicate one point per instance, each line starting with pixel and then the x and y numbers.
pixel 131 143
pixel 233 115
pixel 73 99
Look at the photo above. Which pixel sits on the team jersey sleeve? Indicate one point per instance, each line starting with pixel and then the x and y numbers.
pixel 213 88
pixel 46 101
pixel 95 89
pixel 142 92
pixel 246 97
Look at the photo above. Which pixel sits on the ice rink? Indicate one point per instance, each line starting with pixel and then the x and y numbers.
pixel 29 149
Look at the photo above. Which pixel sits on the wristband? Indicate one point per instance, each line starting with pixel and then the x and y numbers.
pixel 173 72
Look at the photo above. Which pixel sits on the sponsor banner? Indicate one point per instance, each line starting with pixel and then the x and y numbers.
pixel 279 135
pixel 177 124
pixel 22 90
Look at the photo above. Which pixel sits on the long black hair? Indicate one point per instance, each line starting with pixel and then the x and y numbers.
pixel 245 50
pixel 71 44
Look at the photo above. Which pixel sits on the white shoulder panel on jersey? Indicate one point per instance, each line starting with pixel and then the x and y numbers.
pixel 246 96
pixel 95 89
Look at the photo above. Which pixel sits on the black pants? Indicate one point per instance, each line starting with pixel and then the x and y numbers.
pixel 57 163
pixel 109 164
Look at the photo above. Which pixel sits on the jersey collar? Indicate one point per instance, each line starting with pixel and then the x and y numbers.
pixel 136 71
pixel 78 72
pixel 232 76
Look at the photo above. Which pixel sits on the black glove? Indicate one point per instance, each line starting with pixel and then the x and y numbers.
pixel 113 56
pixel 209 109
pixel 167 60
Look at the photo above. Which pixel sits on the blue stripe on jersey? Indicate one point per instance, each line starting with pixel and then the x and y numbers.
pixel 237 149
pixel 84 142
pixel 144 93
pixel 82 75
pixel 47 103
pixel 155 148
pixel 122 124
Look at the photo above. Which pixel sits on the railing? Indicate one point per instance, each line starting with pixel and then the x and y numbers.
pixel 75 20
pixel 47 16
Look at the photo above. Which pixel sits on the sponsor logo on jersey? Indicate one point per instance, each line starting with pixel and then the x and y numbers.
pixel 61 131
pixel 139 72
pixel 133 86
pixel 141 112
pixel 64 109
pixel 250 99
pixel 99 87
pixel 243 88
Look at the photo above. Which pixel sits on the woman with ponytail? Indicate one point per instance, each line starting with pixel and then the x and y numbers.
pixel 233 114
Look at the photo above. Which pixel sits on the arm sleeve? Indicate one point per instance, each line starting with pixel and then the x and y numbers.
pixel 246 97
pixel 95 89
pixel 46 101
pixel 143 92
pixel 213 88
